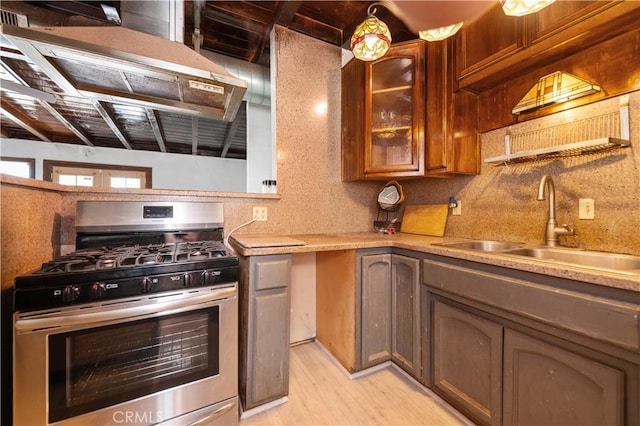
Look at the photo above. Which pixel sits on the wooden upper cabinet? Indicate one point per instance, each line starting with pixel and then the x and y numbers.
pixel 398 116
pixel 487 40
pixel 394 113
pixel 495 48
pixel 383 115
pixel 452 141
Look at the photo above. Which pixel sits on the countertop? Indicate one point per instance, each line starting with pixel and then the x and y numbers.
pixel 265 244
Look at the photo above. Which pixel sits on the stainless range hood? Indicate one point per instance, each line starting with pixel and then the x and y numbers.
pixel 122 66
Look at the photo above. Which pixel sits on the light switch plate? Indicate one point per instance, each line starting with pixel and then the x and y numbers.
pixel 586 208
pixel 457 211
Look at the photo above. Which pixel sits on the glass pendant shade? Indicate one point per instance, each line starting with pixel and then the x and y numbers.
pixel 441 33
pixel 371 39
pixel 523 7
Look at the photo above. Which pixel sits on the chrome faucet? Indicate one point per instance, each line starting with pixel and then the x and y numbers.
pixel 553 230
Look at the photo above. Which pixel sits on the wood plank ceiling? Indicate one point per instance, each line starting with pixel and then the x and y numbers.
pixel 238 29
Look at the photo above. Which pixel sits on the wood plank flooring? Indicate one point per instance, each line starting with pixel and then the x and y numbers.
pixel 320 393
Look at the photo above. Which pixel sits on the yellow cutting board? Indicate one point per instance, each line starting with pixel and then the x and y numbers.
pixel 427 219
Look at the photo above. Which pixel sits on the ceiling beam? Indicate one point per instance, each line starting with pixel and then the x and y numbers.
pixel 44 99
pixel 230 133
pixel 154 122
pixel 108 117
pixel 22 120
pixel 284 15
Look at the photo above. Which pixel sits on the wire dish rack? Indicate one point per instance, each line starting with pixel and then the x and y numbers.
pixel 598 134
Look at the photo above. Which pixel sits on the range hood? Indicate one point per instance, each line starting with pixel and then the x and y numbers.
pixel 121 66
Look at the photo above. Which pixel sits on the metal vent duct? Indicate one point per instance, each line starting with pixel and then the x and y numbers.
pixel 257 76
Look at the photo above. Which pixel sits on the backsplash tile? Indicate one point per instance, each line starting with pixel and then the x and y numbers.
pixel 501 204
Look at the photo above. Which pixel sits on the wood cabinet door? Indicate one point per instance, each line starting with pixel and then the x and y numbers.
pixel 452 144
pixel 269 360
pixel 405 313
pixel 467 362
pixel 394 113
pixel 376 309
pixel 264 356
pixel 352 117
pixel 547 385
pixel 562 15
pixel 487 40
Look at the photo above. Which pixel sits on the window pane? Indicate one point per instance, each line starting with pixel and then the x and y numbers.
pixel 67 180
pixel 118 182
pixel 125 182
pixel 16 168
pixel 75 180
pixel 85 181
pixel 133 183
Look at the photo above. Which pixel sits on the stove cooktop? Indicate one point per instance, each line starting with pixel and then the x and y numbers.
pixel 108 273
pixel 94 259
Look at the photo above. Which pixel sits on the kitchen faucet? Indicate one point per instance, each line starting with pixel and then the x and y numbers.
pixel 553 230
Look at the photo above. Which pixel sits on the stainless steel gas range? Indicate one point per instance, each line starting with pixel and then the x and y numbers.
pixel 137 326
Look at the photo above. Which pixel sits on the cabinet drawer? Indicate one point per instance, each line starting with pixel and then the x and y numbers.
pixel 596 317
pixel 271 272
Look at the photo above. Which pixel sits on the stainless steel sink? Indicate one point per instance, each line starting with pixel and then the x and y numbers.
pixel 481 245
pixel 619 263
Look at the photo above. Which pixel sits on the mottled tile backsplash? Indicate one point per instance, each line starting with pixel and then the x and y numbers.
pixel 500 203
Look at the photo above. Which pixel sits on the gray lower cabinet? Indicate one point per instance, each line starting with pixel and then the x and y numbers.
pixel 405 313
pixel 514 348
pixel 390 311
pixel 375 285
pixel 467 362
pixel 264 328
pixel 547 385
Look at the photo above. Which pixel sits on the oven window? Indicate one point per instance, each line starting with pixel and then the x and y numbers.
pixel 98 367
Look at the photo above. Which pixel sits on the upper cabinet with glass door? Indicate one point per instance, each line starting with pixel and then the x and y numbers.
pixel 394 113
pixel 383 115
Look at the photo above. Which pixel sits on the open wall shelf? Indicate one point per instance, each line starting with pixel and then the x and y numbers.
pixel 560 151
pixel 598 134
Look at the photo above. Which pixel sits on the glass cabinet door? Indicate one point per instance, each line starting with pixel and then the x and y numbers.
pixel 394 114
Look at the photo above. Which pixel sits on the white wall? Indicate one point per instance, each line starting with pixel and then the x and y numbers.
pixel 169 171
pixel 303 297
pixel 260 147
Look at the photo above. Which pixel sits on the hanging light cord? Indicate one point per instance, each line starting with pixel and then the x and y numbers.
pixel 372 6
pixel 226 239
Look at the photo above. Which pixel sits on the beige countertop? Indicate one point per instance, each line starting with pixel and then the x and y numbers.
pixel 264 244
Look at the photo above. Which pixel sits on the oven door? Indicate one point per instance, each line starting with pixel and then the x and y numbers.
pixel 141 360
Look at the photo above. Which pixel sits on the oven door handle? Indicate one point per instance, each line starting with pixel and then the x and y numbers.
pixel 170 306
pixel 208 419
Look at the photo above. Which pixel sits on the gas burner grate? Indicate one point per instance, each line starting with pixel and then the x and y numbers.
pixel 199 250
pixel 132 256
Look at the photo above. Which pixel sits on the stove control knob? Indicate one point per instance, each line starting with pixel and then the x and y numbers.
pixel 98 290
pixel 70 293
pixel 207 278
pixel 187 280
pixel 147 284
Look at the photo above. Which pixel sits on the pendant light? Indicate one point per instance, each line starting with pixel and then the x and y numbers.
pixel 441 33
pixel 555 88
pixel 371 39
pixel 523 7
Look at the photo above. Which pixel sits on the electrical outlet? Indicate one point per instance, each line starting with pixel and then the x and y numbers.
pixel 260 214
pixel 457 211
pixel 586 208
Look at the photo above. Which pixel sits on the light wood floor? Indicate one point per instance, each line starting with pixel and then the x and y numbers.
pixel 320 393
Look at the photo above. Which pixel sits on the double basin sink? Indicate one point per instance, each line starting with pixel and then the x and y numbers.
pixel 595 260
